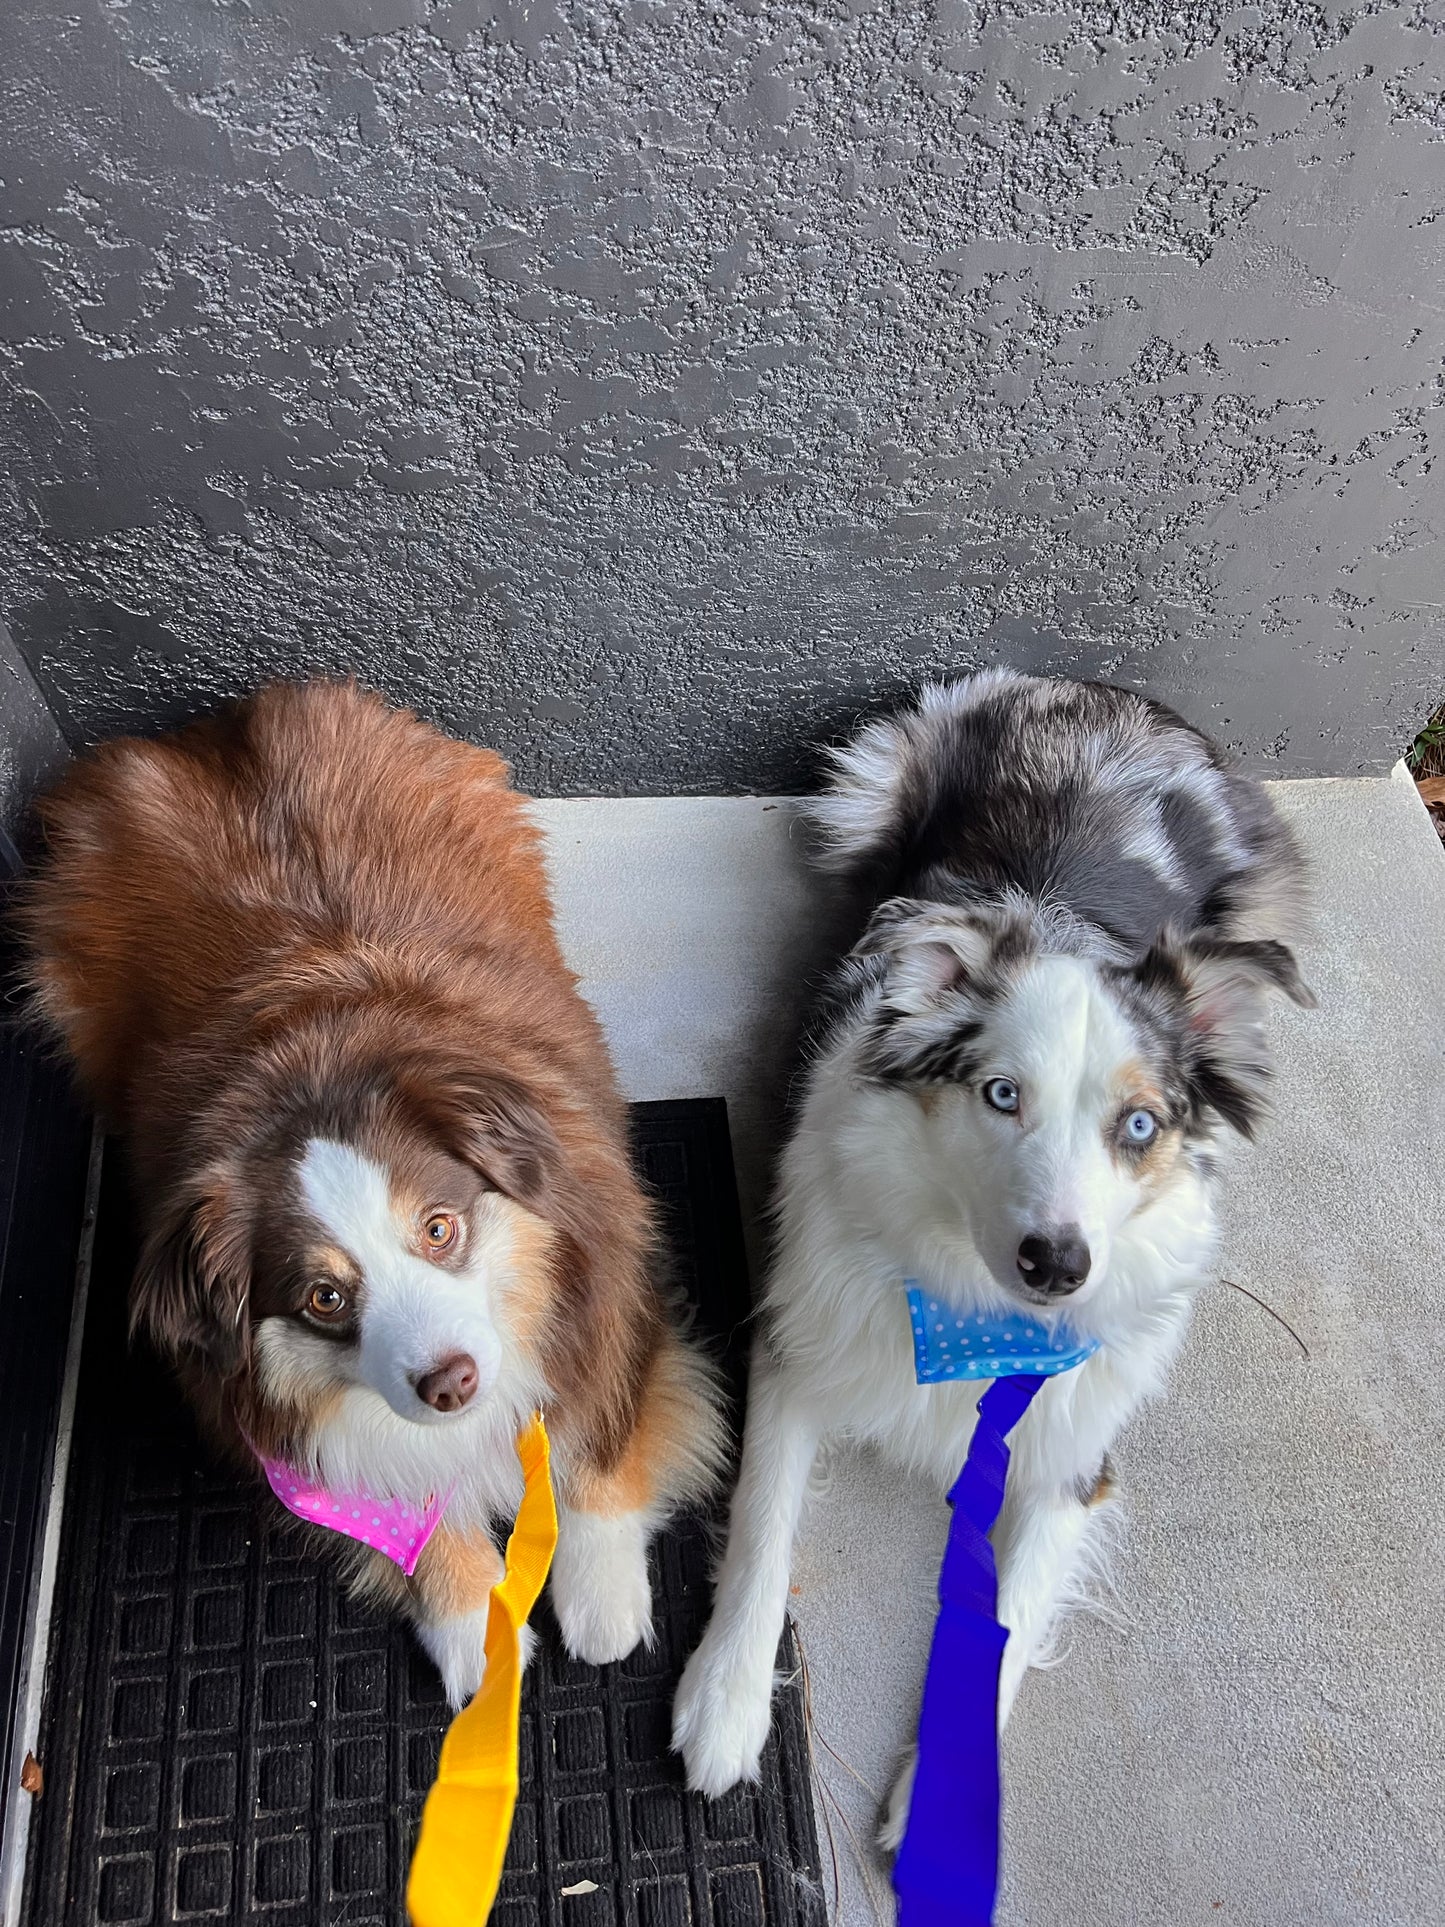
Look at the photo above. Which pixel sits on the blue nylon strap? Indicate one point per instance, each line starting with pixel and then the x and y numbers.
pixel 946 1873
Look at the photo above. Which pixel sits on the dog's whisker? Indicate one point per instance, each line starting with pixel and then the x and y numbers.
pixel 823 1739
pixel 861 1858
pixel 1278 1317
pixel 829 1801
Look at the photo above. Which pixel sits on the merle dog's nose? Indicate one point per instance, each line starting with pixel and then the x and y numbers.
pixel 1057 1265
pixel 449 1386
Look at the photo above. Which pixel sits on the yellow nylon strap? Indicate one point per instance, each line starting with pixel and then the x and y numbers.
pixel 467 1819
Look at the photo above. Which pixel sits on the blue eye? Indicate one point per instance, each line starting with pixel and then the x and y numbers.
pixel 1002 1093
pixel 1140 1126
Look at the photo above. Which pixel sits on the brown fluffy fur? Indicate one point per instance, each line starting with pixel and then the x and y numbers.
pixel 314 912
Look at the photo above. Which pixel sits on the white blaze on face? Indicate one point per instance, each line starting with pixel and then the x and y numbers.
pixel 1064 1042
pixel 415 1313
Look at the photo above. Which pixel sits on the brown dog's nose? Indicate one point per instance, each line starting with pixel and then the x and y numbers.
pixel 449 1386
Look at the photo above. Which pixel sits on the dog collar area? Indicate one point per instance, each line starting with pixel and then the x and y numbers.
pixel 949 1344
pixel 392 1526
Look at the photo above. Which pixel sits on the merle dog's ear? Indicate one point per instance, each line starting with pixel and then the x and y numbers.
pixel 941 965
pixel 190 1295
pixel 491 1124
pixel 931 949
pixel 1222 986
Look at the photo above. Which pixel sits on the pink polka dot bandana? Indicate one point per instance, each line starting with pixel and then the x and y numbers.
pixel 393 1526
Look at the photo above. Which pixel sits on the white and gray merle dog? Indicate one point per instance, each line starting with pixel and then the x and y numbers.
pixel 1072 912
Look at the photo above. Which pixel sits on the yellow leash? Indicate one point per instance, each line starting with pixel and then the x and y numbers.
pixel 467 1820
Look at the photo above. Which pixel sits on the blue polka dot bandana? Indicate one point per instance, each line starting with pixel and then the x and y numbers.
pixel 978 1344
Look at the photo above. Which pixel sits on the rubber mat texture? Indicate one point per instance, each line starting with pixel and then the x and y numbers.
pixel 229 1738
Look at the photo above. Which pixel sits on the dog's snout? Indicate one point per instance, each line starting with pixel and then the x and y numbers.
pixel 1057 1265
pixel 451 1385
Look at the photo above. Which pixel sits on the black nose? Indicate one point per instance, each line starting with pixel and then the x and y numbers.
pixel 1057 1265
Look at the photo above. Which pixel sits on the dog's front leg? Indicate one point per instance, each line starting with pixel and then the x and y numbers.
pixel 724 1702
pixel 1040 1544
pixel 449 1597
pixel 1036 1543
pixel 601 1592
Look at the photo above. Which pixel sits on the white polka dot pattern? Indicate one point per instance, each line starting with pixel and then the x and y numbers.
pixel 393 1526
pixel 949 1344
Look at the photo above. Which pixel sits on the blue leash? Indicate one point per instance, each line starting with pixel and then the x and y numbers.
pixel 946 1873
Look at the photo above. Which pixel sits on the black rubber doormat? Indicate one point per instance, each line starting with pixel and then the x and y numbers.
pixel 44 1154
pixel 228 1738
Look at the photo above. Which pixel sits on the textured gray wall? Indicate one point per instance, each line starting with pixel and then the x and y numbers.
pixel 648 387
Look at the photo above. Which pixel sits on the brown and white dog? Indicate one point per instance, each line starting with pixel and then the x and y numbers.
pixel 303 957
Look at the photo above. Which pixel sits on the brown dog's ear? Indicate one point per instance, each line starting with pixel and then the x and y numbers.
pixel 491 1124
pixel 1222 986
pixel 190 1295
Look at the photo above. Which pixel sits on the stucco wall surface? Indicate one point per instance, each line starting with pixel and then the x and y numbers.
pixel 649 388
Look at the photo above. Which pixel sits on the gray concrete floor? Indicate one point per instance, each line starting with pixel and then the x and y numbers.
pixel 1256 1736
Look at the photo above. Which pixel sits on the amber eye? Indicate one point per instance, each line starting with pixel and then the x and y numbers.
pixel 326 1301
pixel 441 1231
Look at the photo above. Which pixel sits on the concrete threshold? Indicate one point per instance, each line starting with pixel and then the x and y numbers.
pixel 1251 1735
